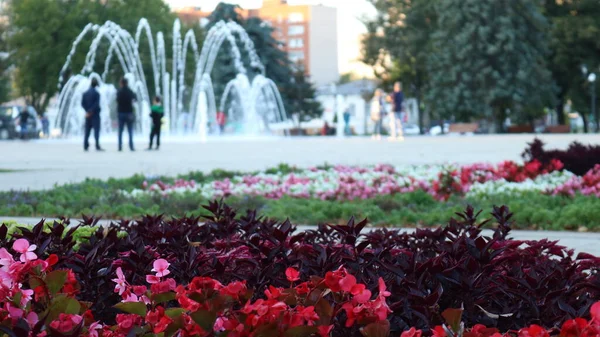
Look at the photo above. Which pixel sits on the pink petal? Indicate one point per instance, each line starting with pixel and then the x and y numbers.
pixel 160 265
pixel 21 246
pixel 32 318
pixel 152 279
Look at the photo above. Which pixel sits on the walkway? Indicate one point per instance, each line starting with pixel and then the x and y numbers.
pixel 42 164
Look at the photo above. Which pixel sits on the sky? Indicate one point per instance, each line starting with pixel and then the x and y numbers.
pixel 349 26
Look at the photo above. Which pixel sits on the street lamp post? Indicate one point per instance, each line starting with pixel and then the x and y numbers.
pixel 592 79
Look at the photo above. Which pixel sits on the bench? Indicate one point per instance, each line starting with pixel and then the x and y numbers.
pixel 558 129
pixel 520 129
pixel 463 128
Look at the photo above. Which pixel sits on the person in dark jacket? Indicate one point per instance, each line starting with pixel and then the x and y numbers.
pixel 23 119
pixel 157 113
pixel 396 118
pixel 91 104
pixel 125 98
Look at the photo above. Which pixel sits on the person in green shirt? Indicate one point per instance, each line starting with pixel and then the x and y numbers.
pixel 157 113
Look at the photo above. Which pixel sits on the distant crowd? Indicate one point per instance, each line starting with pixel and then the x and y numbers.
pixel 126 118
pixel 398 115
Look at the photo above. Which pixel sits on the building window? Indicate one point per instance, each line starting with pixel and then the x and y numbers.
pixel 296 43
pixel 296 56
pixel 295 30
pixel 296 17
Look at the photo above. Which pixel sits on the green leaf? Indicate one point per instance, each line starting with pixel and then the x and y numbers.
pixel 164 297
pixel 63 305
pixel 174 312
pixel 205 319
pixel 377 329
pixel 137 308
pixel 55 280
pixel 301 331
pixel 17 299
pixel 172 328
pixel 35 281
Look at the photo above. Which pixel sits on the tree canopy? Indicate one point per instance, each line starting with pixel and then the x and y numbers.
pixel 42 32
pixel 296 90
pixel 486 59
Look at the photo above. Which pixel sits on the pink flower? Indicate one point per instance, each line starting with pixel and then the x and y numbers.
pixel 26 296
pixel 164 286
pixel 120 281
pixel 412 333
pixel 92 330
pixel 382 289
pixel 66 322
pixel 347 283
pixel 13 312
pixel 27 251
pixel 325 330
pixel 292 274
pixel 6 259
pixel 161 267
pixel 152 279
pixel 130 297
pixel 595 311
pixel 32 319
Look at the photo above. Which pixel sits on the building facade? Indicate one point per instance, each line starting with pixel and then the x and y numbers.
pixel 308 33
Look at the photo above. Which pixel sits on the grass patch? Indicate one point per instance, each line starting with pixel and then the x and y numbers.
pixel 533 210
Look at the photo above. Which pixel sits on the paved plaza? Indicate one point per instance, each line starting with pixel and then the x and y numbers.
pixel 41 164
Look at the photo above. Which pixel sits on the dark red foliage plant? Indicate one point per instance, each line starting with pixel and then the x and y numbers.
pixel 577 158
pixel 501 283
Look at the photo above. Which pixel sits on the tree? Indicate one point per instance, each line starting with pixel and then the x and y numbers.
pixel 302 98
pixel 489 57
pixel 347 78
pixel 5 66
pixel 398 43
pixel 224 67
pixel 42 32
pixel 278 67
pixel 573 43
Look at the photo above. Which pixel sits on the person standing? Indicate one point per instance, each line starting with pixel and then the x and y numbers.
pixel 23 119
pixel 157 113
pixel 377 112
pixel 91 105
pixel 45 126
pixel 396 118
pixel 125 98
pixel 347 130
pixel 221 120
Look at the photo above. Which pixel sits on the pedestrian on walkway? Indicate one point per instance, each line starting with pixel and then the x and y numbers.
pixel 221 120
pixel 396 131
pixel 91 105
pixel 157 113
pixel 125 99
pixel 23 120
pixel 377 112
pixel 45 125
pixel 347 130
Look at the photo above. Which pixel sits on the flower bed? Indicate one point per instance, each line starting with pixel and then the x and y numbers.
pixel 578 158
pixel 501 283
pixel 349 183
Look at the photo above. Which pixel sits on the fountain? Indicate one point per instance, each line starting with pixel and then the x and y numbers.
pixel 256 98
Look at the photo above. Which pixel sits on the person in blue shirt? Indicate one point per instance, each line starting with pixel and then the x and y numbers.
pixel 91 104
pixel 396 131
